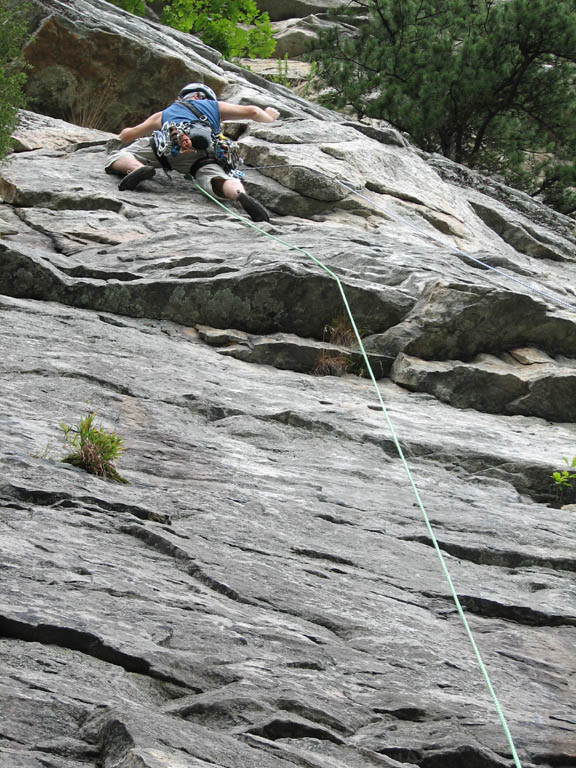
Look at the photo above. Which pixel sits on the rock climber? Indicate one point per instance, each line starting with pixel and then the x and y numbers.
pixel 180 138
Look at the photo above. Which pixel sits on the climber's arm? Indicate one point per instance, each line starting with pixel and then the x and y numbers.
pixel 251 112
pixel 152 123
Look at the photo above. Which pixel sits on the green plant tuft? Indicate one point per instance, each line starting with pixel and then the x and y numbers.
pixel 282 77
pixel 565 482
pixel 95 450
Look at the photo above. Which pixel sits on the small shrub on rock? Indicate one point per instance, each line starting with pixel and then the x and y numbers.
pixel 331 365
pixel 340 332
pixel 565 482
pixel 95 450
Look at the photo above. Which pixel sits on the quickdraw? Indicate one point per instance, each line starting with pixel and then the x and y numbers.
pixel 227 154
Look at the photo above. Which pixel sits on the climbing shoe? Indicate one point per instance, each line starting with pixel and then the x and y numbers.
pixel 131 180
pixel 253 208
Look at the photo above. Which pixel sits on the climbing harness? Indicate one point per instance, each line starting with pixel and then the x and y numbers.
pixel 402 457
pixel 166 141
pixel 226 151
pixel 545 294
pixel 220 149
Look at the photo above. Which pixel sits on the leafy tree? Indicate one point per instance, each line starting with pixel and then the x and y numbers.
pixel 12 78
pixel 233 27
pixel 488 83
pixel 222 25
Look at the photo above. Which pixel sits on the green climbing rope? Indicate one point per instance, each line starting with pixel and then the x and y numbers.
pixel 419 501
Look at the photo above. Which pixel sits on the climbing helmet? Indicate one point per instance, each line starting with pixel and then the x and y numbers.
pixel 205 91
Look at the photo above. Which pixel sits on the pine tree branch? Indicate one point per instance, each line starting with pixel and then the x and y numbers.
pixel 384 21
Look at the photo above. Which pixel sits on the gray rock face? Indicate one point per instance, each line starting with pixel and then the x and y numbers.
pixel 490 384
pixel 82 56
pixel 294 37
pixel 265 593
pixel 280 617
pixel 288 9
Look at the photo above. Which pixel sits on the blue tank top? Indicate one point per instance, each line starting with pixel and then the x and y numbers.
pixel 178 113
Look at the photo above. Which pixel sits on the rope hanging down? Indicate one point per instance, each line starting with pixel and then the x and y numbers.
pixel 396 441
pixel 545 294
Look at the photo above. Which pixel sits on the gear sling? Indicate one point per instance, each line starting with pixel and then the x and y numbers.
pixel 225 150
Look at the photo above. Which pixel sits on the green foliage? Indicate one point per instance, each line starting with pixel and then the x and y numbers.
pixel 565 482
pixel 94 449
pixel 12 76
pixel 282 73
pixel 222 24
pixel 565 478
pixel 313 83
pixel 487 83
pixel 137 7
pixel 45 453
pixel 234 27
